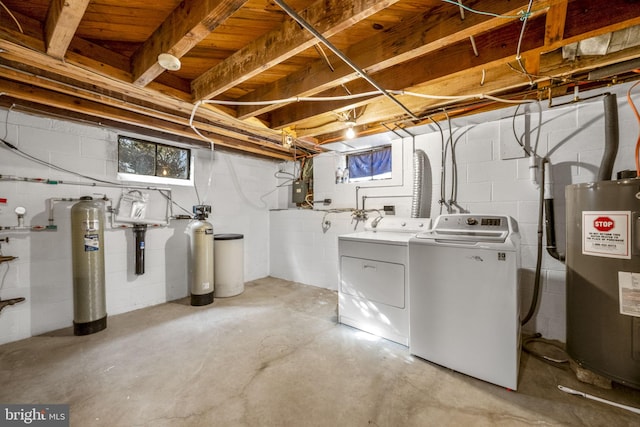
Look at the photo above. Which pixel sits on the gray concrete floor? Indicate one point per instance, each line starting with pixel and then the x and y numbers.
pixel 275 356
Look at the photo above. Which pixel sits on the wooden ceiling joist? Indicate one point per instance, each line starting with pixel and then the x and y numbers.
pixel 104 54
pixel 414 37
pixel 499 46
pixel 188 25
pixel 30 57
pixel 100 110
pixel 327 16
pixel 63 19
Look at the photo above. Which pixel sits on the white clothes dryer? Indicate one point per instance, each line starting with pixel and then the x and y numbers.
pixel 373 293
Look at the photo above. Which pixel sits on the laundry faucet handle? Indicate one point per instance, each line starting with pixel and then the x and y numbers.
pixel 375 221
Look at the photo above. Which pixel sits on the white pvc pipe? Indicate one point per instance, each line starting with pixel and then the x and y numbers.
pixel 597 399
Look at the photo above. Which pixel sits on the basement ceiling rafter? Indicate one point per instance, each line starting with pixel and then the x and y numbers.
pixel 84 56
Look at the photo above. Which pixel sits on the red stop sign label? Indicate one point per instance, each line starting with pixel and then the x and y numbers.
pixel 603 223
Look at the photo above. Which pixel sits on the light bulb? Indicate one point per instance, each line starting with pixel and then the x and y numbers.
pixel 350 133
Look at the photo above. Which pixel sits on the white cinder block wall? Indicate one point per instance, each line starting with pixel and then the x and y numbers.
pixel 43 274
pixel 489 181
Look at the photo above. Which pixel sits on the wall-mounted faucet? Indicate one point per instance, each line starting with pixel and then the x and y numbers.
pixel 375 221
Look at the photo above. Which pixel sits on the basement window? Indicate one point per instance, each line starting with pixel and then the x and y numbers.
pixel 370 165
pixel 147 161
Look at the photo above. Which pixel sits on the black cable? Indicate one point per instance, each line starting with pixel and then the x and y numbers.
pixel 536 280
pixel 47 164
pixel 51 165
pixel 515 135
pixel 537 338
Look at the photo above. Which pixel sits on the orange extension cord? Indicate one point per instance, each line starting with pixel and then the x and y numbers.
pixel 637 157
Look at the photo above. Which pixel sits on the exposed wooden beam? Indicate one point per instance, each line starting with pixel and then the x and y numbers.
pixel 419 35
pixel 499 77
pixel 190 23
pixel 556 17
pixel 328 17
pixel 100 110
pixel 84 54
pixel 584 19
pixel 17 53
pixel 61 24
pixel 499 45
pixel 128 106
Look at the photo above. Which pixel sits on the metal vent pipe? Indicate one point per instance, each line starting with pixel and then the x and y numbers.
pixel 421 204
pixel 611 137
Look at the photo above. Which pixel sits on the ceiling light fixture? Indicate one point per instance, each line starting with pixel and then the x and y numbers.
pixel 350 133
pixel 169 62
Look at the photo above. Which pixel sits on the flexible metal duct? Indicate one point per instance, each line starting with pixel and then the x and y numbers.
pixel 611 137
pixel 421 202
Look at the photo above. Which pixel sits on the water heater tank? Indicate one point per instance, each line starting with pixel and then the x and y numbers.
pixel 603 278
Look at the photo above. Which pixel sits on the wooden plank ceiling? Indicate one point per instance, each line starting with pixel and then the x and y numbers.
pixel 97 61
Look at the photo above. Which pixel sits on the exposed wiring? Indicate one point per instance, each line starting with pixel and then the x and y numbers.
pixel 454 166
pixel 538 271
pixel 518 56
pixel 236 183
pixel 324 56
pixel 443 167
pixel 34 159
pixel 195 108
pixel 287 183
pixel 561 363
pixel 528 151
pixel 633 107
pixel 322 39
pixel 292 99
pixel 12 17
pixel 13 148
pixel 522 15
pixel 162 192
pixel 353 96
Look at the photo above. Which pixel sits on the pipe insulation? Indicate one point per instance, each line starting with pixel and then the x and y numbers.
pixel 611 137
pixel 421 202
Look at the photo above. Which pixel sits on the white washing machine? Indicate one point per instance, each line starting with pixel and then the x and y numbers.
pixel 373 294
pixel 464 307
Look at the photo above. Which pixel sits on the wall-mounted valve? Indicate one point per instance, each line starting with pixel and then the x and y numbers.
pixel 20 211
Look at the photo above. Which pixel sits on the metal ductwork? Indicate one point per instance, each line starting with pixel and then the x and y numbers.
pixel 421 201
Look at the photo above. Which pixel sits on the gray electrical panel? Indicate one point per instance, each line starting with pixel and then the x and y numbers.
pixel 299 191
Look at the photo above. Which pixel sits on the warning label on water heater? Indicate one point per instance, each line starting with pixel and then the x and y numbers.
pixel 629 286
pixel 606 234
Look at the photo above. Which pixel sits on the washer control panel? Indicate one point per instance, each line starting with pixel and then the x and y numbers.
pixel 470 222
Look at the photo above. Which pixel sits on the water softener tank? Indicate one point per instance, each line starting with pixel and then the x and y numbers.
pixel 201 276
pixel 603 278
pixel 87 243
